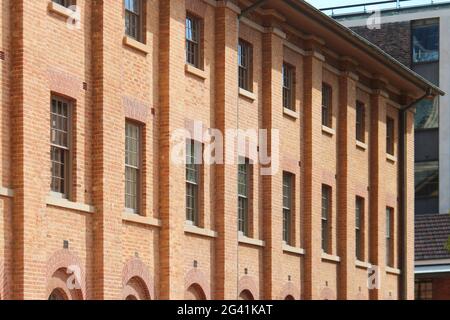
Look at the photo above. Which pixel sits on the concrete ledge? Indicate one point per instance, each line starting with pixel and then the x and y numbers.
pixel 362 264
pixel 247 94
pixel 250 241
pixel 289 249
pixel 330 257
pixel 290 113
pixel 391 158
pixel 361 145
pixel 199 231
pixel 66 204
pixel 132 43
pixel 6 192
pixel 59 9
pixel 395 271
pixel 328 130
pixel 135 218
pixel 195 71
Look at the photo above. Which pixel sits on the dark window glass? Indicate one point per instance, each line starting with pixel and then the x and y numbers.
pixel 193 41
pixel 64 3
pixel 426 179
pixel 326 218
pixel 132 166
pixel 288 86
pixel 288 181
pixel 133 19
pixel 60 145
pixel 389 237
pixel 359 228
pixel 360 121
pixel 427 114
pixel 390 135
pixel 245 65
pixel 193 153
pixel 243 195
pixel 326 105
pixel 425 38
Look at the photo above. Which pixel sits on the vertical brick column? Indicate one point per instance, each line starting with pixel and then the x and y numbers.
pixel 272 184
pixel 313 64
pixel 346 197
pixel 171 177
pixel 377 205
pixel 30 99
pixel 409 207
pixel 226 86
pixel 108 148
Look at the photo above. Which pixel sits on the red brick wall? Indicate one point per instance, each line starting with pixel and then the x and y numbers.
pixel 155 256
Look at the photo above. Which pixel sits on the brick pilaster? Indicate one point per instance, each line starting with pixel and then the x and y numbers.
pixel 272 184
pixel 226 272
pixel 108 137
pixel 313 64
pixel 171 177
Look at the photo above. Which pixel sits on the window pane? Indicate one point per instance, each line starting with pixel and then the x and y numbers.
pixel 360 117
pixel 244 60
pixel 192 41
pixel 193 151
pixel 427 114
pixel 287 206
pixel 326 105
pixel 288 86
pixel 390 132
pixel 425 43
pixel 132 165
pixel 427 179
pixel 326 204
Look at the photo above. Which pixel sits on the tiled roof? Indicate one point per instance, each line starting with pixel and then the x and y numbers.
pixel 432 232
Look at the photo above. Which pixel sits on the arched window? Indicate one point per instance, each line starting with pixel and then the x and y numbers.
pixel 289 297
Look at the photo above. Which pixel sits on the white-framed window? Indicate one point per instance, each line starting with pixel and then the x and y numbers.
pixel 60 142
pixel 288 188
pixel 288 86
pixel 134 19
pixel 193 41
pixel 245 60
pixel 132 166
pixel 193 181
pixel 326 218
pixel 244 172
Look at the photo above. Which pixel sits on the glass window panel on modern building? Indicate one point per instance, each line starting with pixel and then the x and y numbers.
pixel 132 166
pixel 425 38
pixel 427 179
pixel 60 145
pixel 133 19
pixel 427 114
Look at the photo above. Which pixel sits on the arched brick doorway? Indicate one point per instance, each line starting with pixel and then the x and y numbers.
pixel 246 295
pixel 195 292
pixel 289 297
pixel 58 294
pixel 135 289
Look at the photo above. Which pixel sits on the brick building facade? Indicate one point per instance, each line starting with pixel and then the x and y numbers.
pixel 88 191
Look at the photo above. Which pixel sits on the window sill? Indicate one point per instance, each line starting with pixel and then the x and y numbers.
pixel 6 192
pixel 391 270
pixel 247 94
pixel 188 228
pixel 289 249
pixel 135 218
pixel 66 204
pixel 330 257
pixel 250 241
pixel 361 145
pixel 195 71
pixel 290 113
pixel 362 264
pixel 328 130
pixel 132 43
pixel 391 158
pixel 60 10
